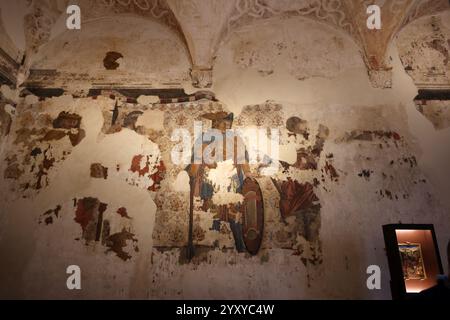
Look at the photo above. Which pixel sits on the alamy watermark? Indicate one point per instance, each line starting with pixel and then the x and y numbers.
pixel 73 21
pixel 374 280
pixel 244 146
pixel 74 280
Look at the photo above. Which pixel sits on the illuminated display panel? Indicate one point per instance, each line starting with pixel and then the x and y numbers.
pixel 418 257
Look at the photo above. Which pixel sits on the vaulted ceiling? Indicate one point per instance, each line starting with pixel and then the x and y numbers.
pixel 203 25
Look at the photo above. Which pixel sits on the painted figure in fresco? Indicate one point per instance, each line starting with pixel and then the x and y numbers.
pixel 299 199
pixel 217 184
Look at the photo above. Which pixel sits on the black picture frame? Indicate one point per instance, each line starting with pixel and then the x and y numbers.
pixel 398 282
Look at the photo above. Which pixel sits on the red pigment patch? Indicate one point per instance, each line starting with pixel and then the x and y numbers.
pixel 158 176
pixel 123 212
pixel 295 197
pixel 85 211
pixel 396 136
pixel 136 165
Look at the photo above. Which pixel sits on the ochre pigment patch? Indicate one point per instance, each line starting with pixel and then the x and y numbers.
pixel 158 176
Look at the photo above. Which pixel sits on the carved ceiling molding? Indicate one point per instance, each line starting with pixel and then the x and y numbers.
pixel 375 43
pixel 39 22
pixel 349 16
pixel 155 9
pixel 44 13
pixel 422 8
pixel 203 24
pixel 10 57
pixel 332 12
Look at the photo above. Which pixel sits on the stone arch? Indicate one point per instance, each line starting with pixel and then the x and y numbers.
pixel 149 53
pixel 424 50
pixel 253 44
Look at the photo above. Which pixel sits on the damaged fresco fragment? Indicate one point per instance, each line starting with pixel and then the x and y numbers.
pixel 146 172
pixel 42 143
pixel 214 223
pixel 91 215
pixel 424 48
pixel 436 111
pixel 316 163
pixel 320 164
pixel 87 177
pixel 397 162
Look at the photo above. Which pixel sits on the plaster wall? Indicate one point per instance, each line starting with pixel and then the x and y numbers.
pixel 380 161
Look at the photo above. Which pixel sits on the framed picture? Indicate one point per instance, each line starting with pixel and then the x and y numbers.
pixel 413 257
pixel 412 261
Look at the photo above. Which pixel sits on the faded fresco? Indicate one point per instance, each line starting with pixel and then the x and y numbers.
pixel 88 130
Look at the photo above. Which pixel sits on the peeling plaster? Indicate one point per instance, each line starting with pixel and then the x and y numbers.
pixel 348 129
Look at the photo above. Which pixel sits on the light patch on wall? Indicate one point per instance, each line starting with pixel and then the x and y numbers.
pixel 222 177
pixel 288 153
pixel 62 103
pixel 437 112
pixel 8 93
pixel 10 110
pixel 146 100
pixel 181 183
pixel 84 54
pixel 151 119
pixel 31 99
